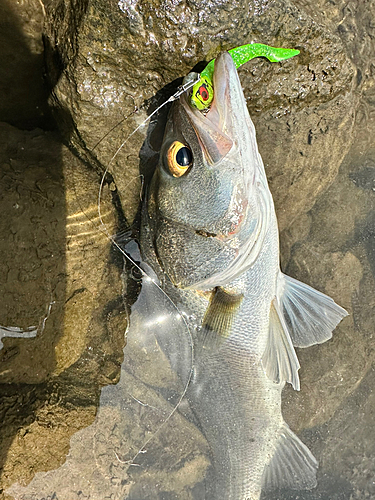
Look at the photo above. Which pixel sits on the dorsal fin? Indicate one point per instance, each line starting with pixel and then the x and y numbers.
pixel 279 358
pixel 218 319
pixel 292 464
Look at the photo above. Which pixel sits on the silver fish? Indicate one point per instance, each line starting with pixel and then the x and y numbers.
pixel 210 233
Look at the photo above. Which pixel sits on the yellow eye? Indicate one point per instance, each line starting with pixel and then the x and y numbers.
pixel 179 158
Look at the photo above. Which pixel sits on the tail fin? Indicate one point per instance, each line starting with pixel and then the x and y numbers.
pixel 292 465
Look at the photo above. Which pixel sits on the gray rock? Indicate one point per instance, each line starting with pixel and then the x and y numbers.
pixel 314 116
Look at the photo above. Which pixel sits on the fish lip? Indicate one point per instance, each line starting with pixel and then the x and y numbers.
pixel 225 82
pixel 213 140
pixel 225 75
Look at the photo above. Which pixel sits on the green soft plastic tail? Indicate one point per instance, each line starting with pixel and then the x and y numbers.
pixel 203 95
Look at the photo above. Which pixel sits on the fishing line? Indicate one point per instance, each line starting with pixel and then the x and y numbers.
pixel 183 88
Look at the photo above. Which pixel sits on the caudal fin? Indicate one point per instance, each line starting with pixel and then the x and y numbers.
pixel 292 465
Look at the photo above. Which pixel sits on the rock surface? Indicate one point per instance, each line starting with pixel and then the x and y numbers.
pixel 124 52
pixel 314 117
pixel 23 97
pixel 58 274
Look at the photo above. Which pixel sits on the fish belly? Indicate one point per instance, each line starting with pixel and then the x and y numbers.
pixel 237 405
pixel 239 411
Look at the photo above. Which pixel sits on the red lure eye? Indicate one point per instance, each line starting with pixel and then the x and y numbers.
pixel 203 92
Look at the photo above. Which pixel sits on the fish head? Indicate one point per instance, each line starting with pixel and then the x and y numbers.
pixel 203 206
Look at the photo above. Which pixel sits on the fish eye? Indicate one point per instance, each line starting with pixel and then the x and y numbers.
pixel 180 158
pixel 203 92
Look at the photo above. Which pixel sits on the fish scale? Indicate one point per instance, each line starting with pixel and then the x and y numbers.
pixel 238 421
pixel 210 234
pixel 242 405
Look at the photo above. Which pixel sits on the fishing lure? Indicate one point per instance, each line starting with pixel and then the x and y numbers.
pixel 203 91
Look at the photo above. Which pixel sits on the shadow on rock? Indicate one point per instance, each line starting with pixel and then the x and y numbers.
pixel 59 277
pixel 23 92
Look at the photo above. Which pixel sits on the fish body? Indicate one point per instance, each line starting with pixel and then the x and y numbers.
pixel 209 231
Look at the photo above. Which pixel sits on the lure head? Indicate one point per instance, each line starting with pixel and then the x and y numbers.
pixel 203 93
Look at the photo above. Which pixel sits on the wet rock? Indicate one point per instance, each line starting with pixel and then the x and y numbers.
pixel 127 451
pixel 355 449
pixel 336 257
pixel 124 52
pixel 32 245
pixel 30 449
pixel 23 93
pixel 330 372
pixel 352 22
pixel 53 245
pixel 60 275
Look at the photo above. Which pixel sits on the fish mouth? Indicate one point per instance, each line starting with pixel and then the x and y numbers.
pixel 214 128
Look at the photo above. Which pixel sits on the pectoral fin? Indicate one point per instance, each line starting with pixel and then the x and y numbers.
pixel 279 359
pixel 292 465
pixel 217 321
pixel 310 315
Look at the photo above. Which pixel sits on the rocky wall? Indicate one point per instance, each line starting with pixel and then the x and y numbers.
pixel 99 65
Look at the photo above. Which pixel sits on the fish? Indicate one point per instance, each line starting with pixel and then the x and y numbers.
pixel 209 232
